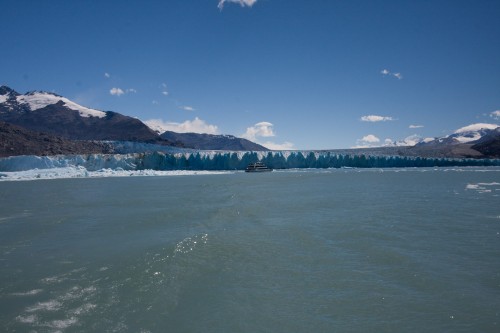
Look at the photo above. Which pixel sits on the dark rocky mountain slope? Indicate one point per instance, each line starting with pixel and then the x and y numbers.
pixel 212 142
pixel 15 140
pixel 489 144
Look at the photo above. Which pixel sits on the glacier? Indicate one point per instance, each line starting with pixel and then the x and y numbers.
pixel 191 160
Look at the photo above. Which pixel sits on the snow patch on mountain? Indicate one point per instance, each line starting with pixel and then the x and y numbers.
pixel 156 125
pixel 472 132
pixel 409 141
pixel 476 127
pixel 3 98
pixel 38 100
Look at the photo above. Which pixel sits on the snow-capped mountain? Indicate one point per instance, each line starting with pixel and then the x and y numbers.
pixel 409 141
pixel 35 100
pixel 475 140
pixel 467 134
pixel 473 132
pixel 50 113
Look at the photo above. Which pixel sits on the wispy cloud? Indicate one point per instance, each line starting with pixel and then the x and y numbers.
pixel 386 72
pixel 373 118
pixel 243 3
pixel 187 108
pixel 495 114
pixel 278 146
pixel 107 75
pixel 163 88
pixel 415 126
pixel 196 125
pixel 116 91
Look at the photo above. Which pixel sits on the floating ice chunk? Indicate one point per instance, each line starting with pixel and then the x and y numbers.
pixel 483 187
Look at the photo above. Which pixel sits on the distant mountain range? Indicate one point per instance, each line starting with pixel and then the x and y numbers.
pixel 211 142
pixel 40 112
pixel 44 123
pixel 475 141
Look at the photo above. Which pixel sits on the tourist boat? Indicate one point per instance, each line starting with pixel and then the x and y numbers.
pixel 257 167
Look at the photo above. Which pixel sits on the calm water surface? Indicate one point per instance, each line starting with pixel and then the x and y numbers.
pixel 295 251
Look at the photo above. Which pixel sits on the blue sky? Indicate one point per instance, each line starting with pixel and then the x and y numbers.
pixel 287 73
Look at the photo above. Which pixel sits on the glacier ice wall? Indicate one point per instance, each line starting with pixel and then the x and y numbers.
pixel 220 160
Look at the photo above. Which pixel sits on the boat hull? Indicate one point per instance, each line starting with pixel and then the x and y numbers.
pixel 257 167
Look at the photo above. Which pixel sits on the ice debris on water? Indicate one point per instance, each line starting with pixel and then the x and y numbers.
pixel 484 187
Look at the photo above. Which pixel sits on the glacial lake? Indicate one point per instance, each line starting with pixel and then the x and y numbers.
pixel 334 250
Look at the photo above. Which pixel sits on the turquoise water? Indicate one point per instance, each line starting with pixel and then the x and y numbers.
pixel 294 251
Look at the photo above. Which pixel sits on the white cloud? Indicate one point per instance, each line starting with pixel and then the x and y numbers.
pixel 165 93
pixel 131 90
pixel 410 140
pixel 368 141
pixel 370 138
pixel 196 125
pixel 242 3
pixel 263 129
pixel 116 92
pixel 398 76
pixel 107 75
pixel 385 72
pixel 374 118
pixel 415 126
pixel 155 102
pixel 495 114
pixel 187 108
